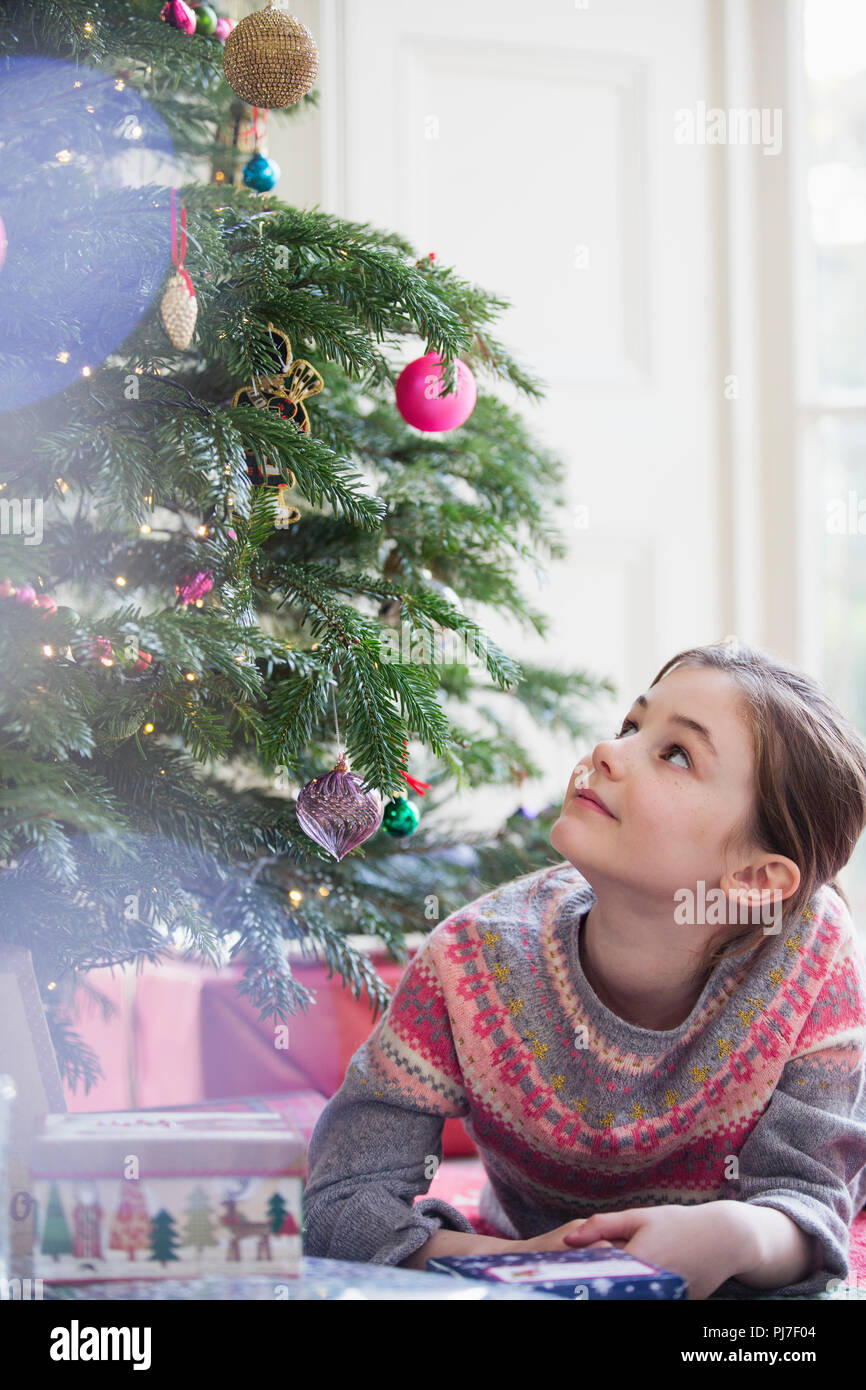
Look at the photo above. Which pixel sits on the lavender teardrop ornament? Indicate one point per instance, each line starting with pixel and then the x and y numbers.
pixel 336 813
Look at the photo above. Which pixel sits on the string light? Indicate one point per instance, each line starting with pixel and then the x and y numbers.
pixel 145 529
pixel 63 156
pixel 202 530
pixel 199 603
pixel 85 371
pixel 88 28
pixel 323 891
pixel 190 675
pixel 119 85
pixel 148 729
pixel 90 109
pixel 47 651
pixel 64 486
pixel 52 984
pixel 106 661
pixel 219 176
pixel 120 582
pixel 296 896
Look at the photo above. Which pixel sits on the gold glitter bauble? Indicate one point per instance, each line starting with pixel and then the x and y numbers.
pixel 270 59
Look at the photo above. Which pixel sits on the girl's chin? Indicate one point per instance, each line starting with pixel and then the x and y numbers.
pixel 562 839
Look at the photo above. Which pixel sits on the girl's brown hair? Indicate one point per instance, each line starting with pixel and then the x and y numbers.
pixel 810 778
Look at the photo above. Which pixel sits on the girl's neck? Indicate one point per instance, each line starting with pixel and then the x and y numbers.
pixel 640 991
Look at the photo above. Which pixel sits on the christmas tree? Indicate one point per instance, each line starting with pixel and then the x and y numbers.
pixel 163 1237
pixel 281 1219
pixel 130 1229
pixel 56 1239
pixel 208 547
pixel 199 1221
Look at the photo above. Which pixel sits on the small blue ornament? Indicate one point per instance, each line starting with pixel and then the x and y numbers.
pixel 261 173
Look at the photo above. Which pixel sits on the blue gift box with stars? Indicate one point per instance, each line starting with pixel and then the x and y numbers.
pixel 577 1274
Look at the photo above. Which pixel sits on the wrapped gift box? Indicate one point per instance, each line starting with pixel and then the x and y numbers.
pixel 335 1281
pixel 578 1274
pixel 160 1194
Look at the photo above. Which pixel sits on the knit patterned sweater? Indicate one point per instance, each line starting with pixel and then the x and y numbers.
pixel 575 1111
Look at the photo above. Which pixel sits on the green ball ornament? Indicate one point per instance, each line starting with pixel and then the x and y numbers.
pixel 206 19
pixel 69 615
pixel 399 817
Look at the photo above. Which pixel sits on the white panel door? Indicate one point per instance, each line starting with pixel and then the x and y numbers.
pixel 533 148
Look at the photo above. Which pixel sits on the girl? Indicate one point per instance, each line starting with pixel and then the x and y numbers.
pixel 658 1043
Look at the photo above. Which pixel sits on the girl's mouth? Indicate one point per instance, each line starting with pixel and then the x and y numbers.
pixel 593 805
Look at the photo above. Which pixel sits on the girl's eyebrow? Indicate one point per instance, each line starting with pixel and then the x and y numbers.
pixel 687 723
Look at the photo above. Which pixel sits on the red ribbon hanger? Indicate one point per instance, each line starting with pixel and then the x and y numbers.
pixel 417 786
pixel 176 257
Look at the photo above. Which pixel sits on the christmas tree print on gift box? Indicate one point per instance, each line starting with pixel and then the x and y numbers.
pixel 131 1228
pixel 171 1194
pixel 163 1238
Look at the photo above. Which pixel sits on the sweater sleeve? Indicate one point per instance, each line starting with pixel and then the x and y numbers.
pixel 806 1155
pixel 378 1142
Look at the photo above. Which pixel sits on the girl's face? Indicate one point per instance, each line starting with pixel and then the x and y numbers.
pixel 674 794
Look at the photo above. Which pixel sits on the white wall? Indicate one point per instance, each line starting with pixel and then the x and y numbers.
pixel 534 150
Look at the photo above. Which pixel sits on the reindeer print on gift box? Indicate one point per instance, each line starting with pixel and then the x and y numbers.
pixel 280 1222
pixel 240 1227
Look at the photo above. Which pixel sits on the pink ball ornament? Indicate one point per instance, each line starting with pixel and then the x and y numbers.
pixel 224 27
pixel 26 594
pixel 419 395
pixel 179 15
pixel 100 647
pixel 194 586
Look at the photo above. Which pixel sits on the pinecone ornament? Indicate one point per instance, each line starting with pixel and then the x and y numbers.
pixel 179 310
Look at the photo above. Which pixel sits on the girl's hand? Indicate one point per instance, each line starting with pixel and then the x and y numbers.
pixel 556 1239
pixel 705 1244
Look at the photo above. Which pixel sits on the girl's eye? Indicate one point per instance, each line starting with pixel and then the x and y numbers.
pixel 670 746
